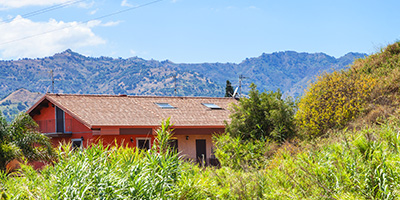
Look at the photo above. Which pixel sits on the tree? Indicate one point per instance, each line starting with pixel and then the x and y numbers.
pixel 21 138
pixel 263 116
pixel 228 89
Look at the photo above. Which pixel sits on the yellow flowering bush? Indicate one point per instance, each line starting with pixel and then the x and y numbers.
pixel 333 100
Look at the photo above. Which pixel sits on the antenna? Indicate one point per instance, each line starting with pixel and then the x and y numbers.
pixel 235 92
pixel 174 76
pixel 241 77
pixel 52 81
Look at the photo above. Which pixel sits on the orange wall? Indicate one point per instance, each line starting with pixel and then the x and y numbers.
pixel 46 113
pixel 188 147
pixel 110 135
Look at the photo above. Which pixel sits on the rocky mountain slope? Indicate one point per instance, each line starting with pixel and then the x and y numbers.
pixel 74 73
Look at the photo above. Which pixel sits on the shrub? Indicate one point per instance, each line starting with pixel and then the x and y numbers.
pixel 333 100
pixel 234 153
pixel 262 116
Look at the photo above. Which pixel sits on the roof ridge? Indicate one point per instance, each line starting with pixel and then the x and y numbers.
pixel 136 96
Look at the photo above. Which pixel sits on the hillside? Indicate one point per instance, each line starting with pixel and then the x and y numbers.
pixel 18 101
pixel 368 92
pixel 75 73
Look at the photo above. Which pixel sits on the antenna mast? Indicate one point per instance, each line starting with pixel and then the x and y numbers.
pixel 241 77
pixel 52 81
pixel 174 84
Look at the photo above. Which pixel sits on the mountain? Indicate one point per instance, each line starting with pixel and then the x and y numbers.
pixel 18 101
pixel 75 73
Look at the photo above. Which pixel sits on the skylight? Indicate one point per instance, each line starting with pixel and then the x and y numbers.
pixel 211 105
pixel 164 105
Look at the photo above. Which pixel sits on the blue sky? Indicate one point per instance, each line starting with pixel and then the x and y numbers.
pixel 193 31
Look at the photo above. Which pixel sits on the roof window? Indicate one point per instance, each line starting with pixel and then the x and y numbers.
pixel 211 106
pixel 164 105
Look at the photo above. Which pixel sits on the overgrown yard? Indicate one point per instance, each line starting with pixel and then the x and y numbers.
pixel 339 143
pixel 347 165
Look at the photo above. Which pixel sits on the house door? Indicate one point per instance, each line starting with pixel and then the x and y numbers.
pixel 59 120
pixel 201 151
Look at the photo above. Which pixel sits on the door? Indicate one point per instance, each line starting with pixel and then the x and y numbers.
pixel 201 151
pixel 59 120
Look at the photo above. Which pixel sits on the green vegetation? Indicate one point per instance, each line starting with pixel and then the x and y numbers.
pixel 229 89
pixel 369 90
pixel 262 116
pixel 348 165
pixel 21 140
pixel 351 149
pixel 333 100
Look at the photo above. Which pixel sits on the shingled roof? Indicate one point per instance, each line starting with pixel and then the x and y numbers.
pixel 122 110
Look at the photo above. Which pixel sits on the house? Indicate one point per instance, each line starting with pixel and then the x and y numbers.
pixel 132 120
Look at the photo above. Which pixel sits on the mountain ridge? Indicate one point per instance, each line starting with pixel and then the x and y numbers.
pixel 76 73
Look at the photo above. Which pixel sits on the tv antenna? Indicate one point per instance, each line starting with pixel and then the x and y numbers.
pixel 52 81
pixel 174 76
pixel 241 77
pixel 235 92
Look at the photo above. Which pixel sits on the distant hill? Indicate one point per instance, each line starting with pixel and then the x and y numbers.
pixel 74 73
pixel 17 101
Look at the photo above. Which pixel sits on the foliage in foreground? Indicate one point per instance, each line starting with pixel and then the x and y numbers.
pixel 346 165
pixel 262 116
pixel 21 139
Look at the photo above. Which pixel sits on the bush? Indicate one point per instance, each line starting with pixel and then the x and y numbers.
pixel 234 153
pixel 333 100
pixel 263 116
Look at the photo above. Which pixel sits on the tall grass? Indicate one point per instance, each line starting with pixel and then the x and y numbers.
pixel 346 165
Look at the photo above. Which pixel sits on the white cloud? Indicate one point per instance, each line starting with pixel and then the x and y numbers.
pixel 133 52
pixel 21 3
pixel 93 12
pixel 113 23
pixel 86 5
pixel 125 3
pixel 9 4
pixel 22 38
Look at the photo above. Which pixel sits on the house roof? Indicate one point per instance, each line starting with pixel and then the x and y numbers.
pixel 122 110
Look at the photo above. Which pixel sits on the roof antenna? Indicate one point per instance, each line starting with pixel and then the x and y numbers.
pixel 235 92
pixel 241 77
pixel 52 81
pixel 174 76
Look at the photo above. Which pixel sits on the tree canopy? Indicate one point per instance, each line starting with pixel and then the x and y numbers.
pixel 265 115
pixel 228 89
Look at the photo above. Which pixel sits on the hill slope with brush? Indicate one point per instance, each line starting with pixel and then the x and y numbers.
pixel 365 93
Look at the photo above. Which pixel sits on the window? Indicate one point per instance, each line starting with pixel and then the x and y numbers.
pixel 135 131
pixel 76 143
pixel 143 143
pixel 211 106
pixel 60 120
pixel 164 105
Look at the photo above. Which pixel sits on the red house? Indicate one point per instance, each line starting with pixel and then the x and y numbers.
pixel 132 120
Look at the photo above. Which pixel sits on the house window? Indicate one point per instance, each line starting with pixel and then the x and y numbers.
pixel 164 105
pixel 135 131
pixel 211 106
pixel 76 143
pixel 60 122
pixel 143 143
